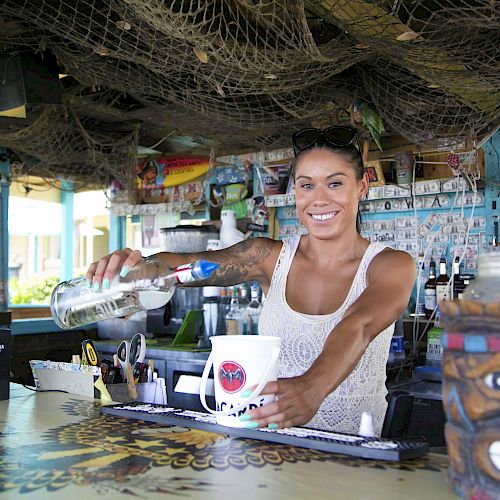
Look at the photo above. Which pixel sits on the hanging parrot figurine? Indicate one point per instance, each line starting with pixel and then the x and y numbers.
pixel 371 119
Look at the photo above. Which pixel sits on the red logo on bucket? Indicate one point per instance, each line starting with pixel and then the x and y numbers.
pixel 231 376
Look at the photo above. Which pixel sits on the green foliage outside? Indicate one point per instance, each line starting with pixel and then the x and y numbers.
pixel 34 291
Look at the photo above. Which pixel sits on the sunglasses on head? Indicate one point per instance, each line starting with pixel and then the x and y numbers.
pixel 337 136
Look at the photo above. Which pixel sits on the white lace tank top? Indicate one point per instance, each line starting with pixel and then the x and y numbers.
pixel 302 340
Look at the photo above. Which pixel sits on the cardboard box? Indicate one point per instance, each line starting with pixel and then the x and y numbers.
pixel 81 380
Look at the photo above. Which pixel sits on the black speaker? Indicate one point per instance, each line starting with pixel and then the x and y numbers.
pixel 4 363
pixel 28 78
pixel 415 411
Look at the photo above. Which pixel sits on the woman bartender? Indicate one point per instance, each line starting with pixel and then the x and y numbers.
pixel 331 296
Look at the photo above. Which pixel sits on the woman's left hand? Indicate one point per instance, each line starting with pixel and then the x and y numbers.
pixel 298 400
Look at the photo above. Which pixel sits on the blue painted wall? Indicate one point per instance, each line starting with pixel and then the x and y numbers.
pixel 492 191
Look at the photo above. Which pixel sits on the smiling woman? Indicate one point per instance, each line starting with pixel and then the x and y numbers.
pixel 331 296
pixel 339 141
pixel 322 300
pixel 328 186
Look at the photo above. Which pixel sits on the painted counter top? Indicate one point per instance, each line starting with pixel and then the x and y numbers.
pixel 58 446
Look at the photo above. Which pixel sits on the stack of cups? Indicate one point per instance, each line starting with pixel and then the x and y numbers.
pixel 213 316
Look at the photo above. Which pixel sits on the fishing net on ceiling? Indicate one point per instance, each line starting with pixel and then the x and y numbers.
pixel 57 144
pixel 243 74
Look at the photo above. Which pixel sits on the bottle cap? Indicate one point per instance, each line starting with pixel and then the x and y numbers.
pixel 206 268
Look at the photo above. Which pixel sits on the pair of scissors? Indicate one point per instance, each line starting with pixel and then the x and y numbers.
pixel 90 356
pixel 132 352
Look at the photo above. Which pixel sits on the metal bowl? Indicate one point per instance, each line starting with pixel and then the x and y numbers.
pixel 183 239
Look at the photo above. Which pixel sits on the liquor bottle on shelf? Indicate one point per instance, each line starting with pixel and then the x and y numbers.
pixel 397 349
pixel 430 290
pixel 225 299
pixel 420 285
pixel 443 287
pixel 434 353
pixel 457 281
pixel 465 281
pixel 235 324
pixel 243 296
pixel 253 311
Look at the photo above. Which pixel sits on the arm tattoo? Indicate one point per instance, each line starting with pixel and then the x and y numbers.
pixel 239 263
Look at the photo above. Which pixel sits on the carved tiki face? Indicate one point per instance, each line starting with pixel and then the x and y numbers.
pixel 471 396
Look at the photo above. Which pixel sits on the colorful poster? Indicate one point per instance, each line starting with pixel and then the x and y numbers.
pixel 172 178
pixel 170 170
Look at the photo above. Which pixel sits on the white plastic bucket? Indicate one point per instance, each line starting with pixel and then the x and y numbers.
pixel 240 362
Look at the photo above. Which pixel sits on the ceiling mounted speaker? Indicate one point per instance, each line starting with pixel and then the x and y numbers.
pixel 27 78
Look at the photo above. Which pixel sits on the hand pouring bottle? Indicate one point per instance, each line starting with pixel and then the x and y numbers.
pixel 148 285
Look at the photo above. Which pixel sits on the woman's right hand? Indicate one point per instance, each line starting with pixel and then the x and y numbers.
pixel 101 272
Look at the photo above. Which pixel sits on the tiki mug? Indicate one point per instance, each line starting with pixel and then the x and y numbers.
pixel 471 396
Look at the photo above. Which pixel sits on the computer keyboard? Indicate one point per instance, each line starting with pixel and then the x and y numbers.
pixel 331 442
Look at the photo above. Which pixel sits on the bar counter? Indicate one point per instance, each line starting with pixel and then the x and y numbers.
pixel 56 445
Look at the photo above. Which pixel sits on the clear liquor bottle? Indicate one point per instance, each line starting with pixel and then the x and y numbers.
pixel 253 311
pixel 150 284
pixel 225 299
pixel 234 317
pixel 243 296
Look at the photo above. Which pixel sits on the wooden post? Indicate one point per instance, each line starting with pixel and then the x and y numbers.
pixel 366 150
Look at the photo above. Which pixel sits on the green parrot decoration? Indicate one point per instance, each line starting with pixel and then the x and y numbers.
pixel 371 119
